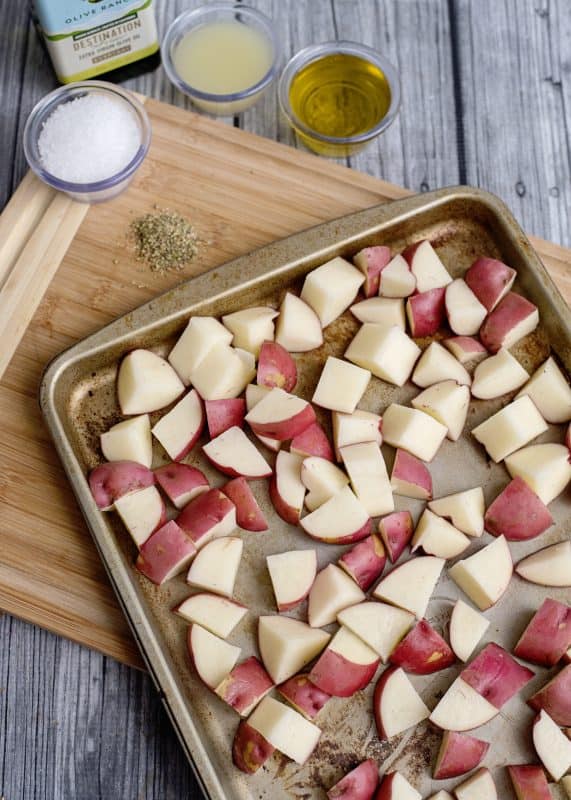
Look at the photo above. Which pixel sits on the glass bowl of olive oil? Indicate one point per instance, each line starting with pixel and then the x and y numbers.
pixel 339 96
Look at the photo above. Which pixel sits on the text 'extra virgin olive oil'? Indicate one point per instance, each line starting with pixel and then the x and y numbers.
pixel 339 95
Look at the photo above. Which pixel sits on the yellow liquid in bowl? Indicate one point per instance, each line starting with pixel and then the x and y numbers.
pixel 339 95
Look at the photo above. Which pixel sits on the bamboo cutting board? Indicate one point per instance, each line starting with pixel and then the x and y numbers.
pixel 241 192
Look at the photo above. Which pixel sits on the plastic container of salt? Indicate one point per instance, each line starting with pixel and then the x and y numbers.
pixel 87 139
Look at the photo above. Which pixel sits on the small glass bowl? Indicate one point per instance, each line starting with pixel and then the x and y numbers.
pixel 337 146
pixel 97 191
pixel 219 104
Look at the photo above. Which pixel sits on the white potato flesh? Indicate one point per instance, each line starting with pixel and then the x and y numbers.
pixel 211 611
pixel 338 518
pixel 367 472
pixel 464 310
pixel 360 426
pixel 467 626
pixel 381 311
pixel 298 328
pixel 341 385
pixel 397 281
pixel 548 567
pixel 400 706
pixel 331 288
pixel 413 430
pixel 251 327
pixel 549 390
pixel 498 375
pixel 428 269
pixel 292 575
pixel 322 479
pixel 410 585
pixel 448 402
pixel 141 512
pixel 215 566
pixel 462 708
pixel 352 648
pixel 485 575
pixel 198 338
pixel 332 591
pixel 286 645
pixel 464 509
pixel 180 425
pixel 213 658
pixel 379 625
pixel 223 373
pixel 552 746
pixel 510 428
pixel 437 364
pixel 285 729
pixel 437 537
pixel 146 382
pixel 129 440
pixel 234 453
pixel 387 352
pixel 288 479
pixel 401 788
pixel 544 467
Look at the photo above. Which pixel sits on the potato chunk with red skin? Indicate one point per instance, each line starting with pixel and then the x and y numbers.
pixel 365 561
pixel 209 512
pixel 459 753
pixel 359 784
pixel 245 686
pixel 166 552
pixel 422 651
pixel 114 479
pixel 490 280
pixel 250 750
pixel 303 695
pixel 181 483
pixel 249 515
pixel 513 318
pixel 372 261
pixel 495 675
pixel 555 698
pixel 517 513
pixel 312 441
pixel 276 367
pixel 426 312
pixel 529 782
pixel 224 414
pixel 548 635
pixel 396 531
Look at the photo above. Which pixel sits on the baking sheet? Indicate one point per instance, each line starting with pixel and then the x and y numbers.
pixel 78 401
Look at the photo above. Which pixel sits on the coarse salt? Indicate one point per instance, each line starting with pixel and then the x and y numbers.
pixel 89 139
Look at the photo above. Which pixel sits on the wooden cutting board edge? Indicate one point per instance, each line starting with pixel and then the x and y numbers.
pixel 16 594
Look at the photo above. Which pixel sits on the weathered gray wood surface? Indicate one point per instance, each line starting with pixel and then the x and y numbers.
pixel 486 101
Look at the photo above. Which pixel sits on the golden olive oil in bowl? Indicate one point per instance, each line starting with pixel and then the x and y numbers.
pixel 339 96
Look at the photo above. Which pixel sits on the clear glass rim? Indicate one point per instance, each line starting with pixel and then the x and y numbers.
pixel 44 108
pixel 187 20
pixel 317 51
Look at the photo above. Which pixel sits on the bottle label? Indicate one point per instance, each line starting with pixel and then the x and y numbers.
pixel 87 37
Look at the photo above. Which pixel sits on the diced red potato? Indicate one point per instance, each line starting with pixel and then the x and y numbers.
pixel 397 281
pixel 426 312
pixel 395 786
pixel 465 510
pixel 546 468
pixel 179 429
pixel 360 426
pixel 286 489
pixel 198 338
pixel 512 319
pixel 371 261
pixel 555 697
pixel 517 513
pixel 426 266
pixel 464 311
pixel 312 442
pixel 146 382
pixel 510 428
pixel 250 750
pixel 550 566
pixel 303 695
pixel 331 288
pixel 276 367
pixel 245 686
pixel 550 391
pixel 209 515
pixel 479 786
pixel 251 326
pixel 379 625
pixel 289 732
pixel 129 440
pixel 286 645
pixel 211 611
pixel 365 561
pixel 322 479
pixel 552 746
pixel 396 704
pixel 213 658
pixel 495 675
pixel 359 784
pixel 224 414
pixel 280 415
pixel 458 753
pixel 254 394
pixel 292 574
pixel 410 585
pixel 448 402
pixel 422 651
pixel 114 479
pixel 411 477
pixel 484 576
pixel 367 472
pixel 396 531
pixel 181 483
pixel 466 349
pixel 436 365
pixel 340 520
pixel 386 352
pixel 467 626
pixel 414 431
pixel 381 311
pixel 490 280
pixel 529 782
pixel 223 373
pixel 166 553
pixel 331 592
pixel 142 512
pixel 498 375
pixel 249 515
pixel 234 454
pixel 346 666
pixel 341 385
pixel 462 708
pixel 215 567
pixel 298 328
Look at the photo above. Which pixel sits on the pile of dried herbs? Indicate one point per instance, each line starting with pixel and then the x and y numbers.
pixel 165 240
